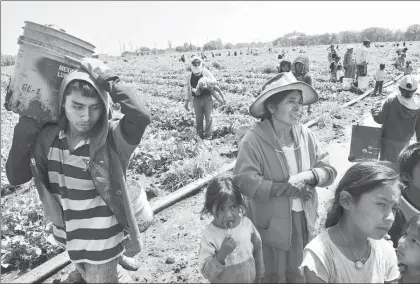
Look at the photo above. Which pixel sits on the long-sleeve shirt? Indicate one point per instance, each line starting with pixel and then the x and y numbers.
pixel 362 55
pixel 243 265
pixel 380 75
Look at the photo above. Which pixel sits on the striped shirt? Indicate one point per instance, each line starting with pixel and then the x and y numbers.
pixel 91 232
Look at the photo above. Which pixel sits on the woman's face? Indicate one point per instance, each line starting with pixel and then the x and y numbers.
pixel 299 67
pixel 373 213
pixel 289 110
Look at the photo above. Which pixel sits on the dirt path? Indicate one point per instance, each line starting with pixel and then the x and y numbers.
pixel 172 243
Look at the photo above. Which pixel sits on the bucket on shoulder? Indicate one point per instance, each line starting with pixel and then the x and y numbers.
pixel 45 57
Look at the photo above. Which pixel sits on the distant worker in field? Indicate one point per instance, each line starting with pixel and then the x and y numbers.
pixel 400 62
pixel 400 118
pixel 235 53
pixel 349 63
pixel 333 69
pixel 379 78
pixel 182 59
pixel 362 58
pixel 201 102
pixel 408 69
pixel 284 66
pixel 331 54
pixel 300 69
pixel 212 54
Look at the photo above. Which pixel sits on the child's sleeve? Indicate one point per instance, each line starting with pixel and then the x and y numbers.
pixel 390 256
pixel 210 267
pixel 258 253
pixel 312 263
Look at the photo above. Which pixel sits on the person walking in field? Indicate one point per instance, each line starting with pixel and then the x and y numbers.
pixel 300 69
pixel 280 163
pixel 400 118
pixel 79 168
pixel 201 102
pixel 362 58
pixel 349 63
pixel 333 68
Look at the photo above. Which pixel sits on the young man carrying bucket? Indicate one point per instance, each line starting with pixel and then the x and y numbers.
pixel 399 115
pixel 79 167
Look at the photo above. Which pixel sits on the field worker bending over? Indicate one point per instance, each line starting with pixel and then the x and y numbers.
pixel 362 58
pixel 201 102
pixel 79 167
pixel 349 63
pixel 300 68
pixel 280 162
pixel 400 118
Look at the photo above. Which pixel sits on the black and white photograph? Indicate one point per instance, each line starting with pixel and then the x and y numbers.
pixel 210 142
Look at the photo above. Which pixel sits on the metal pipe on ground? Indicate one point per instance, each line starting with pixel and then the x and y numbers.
pixel 56 263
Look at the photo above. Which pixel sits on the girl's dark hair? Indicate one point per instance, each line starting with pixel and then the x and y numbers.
pixel 414 222
pixel 408 160
pixel 84 87
pixel 361 178
pixel 219 191
pixel 275 100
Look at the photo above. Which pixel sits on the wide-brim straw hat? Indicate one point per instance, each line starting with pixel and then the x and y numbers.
pixel 282 82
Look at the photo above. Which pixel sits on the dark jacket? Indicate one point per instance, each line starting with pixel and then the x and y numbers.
pixel 112 143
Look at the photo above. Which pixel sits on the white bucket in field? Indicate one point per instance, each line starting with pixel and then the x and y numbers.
pixel 346 85
pixel 142 210
pixel 43 60
pixel 363 82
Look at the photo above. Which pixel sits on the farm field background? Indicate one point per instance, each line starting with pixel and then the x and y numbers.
pixel 170 154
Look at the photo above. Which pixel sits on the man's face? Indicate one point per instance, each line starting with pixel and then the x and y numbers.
pixel 82 112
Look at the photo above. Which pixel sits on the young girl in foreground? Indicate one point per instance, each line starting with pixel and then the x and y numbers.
pixel 409 252
pixel 352 249
pixel 231 248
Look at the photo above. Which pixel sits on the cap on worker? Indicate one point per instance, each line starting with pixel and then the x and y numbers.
pixel 409 83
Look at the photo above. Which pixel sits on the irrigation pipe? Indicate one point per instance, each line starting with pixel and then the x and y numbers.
pixel 56 263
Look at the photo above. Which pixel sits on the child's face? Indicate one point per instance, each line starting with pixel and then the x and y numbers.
pixel 415 176
pixel 82 112
pixel 374 212
pixel 299 67
pixel 227 215
pixel 285 68
pixel 409 248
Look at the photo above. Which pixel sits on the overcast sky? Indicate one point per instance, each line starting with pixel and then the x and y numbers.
pixel 106 24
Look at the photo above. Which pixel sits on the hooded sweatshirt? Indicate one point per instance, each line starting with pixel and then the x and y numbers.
pixel 304 76
pixel 399 123
pixel 285 62
pixel 259 165
pixel 111 145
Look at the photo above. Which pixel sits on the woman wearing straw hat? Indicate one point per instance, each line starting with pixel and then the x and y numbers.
pixel 280 162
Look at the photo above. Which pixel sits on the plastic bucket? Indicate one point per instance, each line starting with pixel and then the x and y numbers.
pixel 346 85
pixel 42 62
pixel 142 210
pixel 363 82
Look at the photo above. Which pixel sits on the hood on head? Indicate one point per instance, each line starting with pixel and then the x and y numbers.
pixel 195 57
pixel 305 60
pixel 100 131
